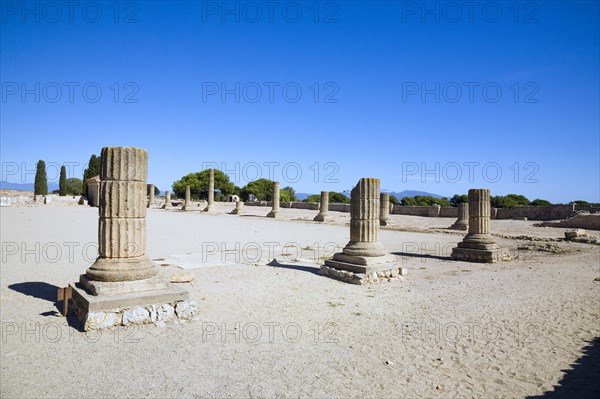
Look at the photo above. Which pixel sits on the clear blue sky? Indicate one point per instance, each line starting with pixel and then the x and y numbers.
pixel 371 62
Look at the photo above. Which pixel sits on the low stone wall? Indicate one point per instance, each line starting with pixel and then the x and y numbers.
pixel 552 212
pixel 448 212
pixel 590 221
pixel 339 207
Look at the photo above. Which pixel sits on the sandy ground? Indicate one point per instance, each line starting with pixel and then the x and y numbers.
pixel 451 329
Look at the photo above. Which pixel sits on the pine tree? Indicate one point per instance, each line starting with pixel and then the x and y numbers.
pixel 62 183
pixel 40 186
pixel 92 170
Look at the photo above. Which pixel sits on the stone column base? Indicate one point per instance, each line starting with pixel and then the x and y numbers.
pixel 209 209
pixel 125 308
pixel 375 277
pixel 459 226
pixel 273 214
pixel 323 218
pixel 384 222
pixel 362 269
pixel 480 255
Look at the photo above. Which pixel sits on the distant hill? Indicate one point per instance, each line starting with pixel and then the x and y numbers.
pixel 412 193
pixel 4 185
pixel 302 196
pixel 400 195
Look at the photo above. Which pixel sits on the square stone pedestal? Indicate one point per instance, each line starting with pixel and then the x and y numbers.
pixel 480 255
pixel 362 269
pixel 126 303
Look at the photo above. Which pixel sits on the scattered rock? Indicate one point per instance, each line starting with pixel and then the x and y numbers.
pixel 389 362
pixel 575 233
pixel 101 320
pixel 186 309
pixel 137 315
pixel 181 278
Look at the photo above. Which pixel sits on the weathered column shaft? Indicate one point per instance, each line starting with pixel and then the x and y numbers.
pixel 364 211
pixel 384 211
pixel 323 215
pixel 122 217
pixel 168 197
pixel 151 196
pixel 211 189
pixel 479 211
pixel 324 208
pixel 463 212
pixel 276 196
pixel 188 196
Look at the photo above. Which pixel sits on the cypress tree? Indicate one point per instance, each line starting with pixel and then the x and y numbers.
pixel 62 183
pixel 92 170
pixel 40 186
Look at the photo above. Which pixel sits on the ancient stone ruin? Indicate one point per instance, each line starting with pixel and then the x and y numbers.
pixel 364 259
pixel 211 191
pixel 122 286
pixel 275 211
pixel 462 223
pixel 167 203
pixel 239 208
pixel 323 215
pixel 384 211
pixel 188 201
pixel 151 196
pixel 478 245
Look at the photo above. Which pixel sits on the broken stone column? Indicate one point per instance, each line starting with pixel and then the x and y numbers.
pixel 239 208
pixel 211 190
pixel 462 223
pixel 364 259
pixel 384 213
pixel 275 211
pixel 323 215
pixel 122 277
pixel 167 203
pixel 188 202
pixel 478 245
pixel 151 196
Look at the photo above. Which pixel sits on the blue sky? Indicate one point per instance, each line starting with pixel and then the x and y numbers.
pixel 432 96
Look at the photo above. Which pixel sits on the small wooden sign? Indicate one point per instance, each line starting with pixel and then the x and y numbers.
pixel 64 294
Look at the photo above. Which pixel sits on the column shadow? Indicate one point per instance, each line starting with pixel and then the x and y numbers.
pixel 582 379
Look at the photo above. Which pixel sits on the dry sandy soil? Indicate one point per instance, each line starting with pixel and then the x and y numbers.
pixel 523 328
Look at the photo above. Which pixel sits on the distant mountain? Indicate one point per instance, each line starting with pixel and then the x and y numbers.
pixel 4 185
pixel 412 193
pixel 302 196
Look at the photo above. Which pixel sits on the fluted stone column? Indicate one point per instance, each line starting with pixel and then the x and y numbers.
pixel 384 213
pixel 478 245
pixel 211 190
pixel 167 203
pixel 151 196
pixel 122 223
pixel 323 215
pixel 239 208
pixel 462 222
pixel 122 287
pixel 275 211
pixel 188 202
pixel 364 254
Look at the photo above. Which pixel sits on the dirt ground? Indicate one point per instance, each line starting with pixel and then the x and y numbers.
pixel 528 327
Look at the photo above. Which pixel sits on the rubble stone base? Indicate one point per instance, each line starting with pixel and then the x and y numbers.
pixel 375 277
pixel 100 312
pixel 480 255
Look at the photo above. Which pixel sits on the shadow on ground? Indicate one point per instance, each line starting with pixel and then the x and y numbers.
pixel 422 256
pixel 47 292
pixel 304 268
pixel 582 379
